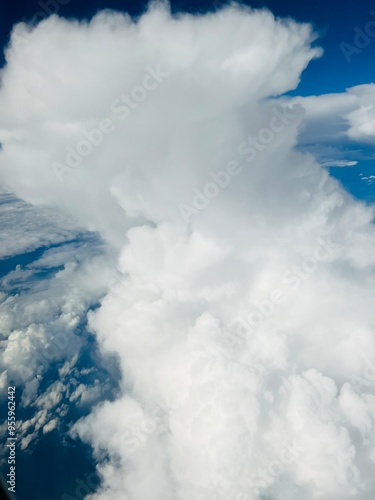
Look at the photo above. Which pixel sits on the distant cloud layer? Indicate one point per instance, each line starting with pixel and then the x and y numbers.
pixel 334 117
pixel 243 322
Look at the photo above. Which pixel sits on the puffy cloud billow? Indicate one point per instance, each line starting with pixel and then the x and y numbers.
pixel 244 324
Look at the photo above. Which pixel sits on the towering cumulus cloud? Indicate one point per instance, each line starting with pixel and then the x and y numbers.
pixel 244 322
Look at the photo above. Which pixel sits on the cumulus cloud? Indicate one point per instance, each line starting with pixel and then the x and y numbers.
pixel 362 119
pixel 242 315
pixel 58 108
pixel 39 318
pixel 338 118
pixel 57 273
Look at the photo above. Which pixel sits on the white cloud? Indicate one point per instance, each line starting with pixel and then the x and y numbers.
pixel 362 119
pixel 339 163
pixel 50 426
pixel 39 324
pixel 59 108
pixel 370 179
pixel 43 306
pixel 25 227
pixel 235 397
pixel 339 118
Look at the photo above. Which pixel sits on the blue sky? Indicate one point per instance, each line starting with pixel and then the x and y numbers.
pixel 335 23
pixel 48 261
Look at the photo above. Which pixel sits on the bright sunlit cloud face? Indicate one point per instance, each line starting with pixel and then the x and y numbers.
pixel 148 90
pixel 243 325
